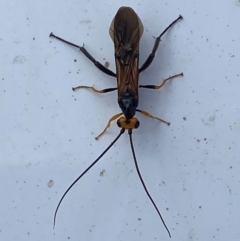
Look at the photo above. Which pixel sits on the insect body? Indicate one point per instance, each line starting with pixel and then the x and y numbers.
pixel 126 30
pixel 126 44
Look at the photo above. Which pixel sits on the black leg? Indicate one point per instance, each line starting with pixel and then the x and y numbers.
pixel 88 55
pixel 162 84
pixel 95 90
pixel 155 47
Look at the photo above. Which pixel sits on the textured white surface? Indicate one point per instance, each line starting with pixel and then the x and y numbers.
pixel 47 131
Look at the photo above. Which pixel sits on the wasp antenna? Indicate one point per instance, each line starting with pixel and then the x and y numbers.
pixel 103 153
pixel 144 186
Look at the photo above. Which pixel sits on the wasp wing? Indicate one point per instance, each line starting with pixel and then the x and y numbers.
pixel 126 30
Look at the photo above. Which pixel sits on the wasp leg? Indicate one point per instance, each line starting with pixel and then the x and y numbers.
pixel 153 117
pixel 155 46
pixel 108 124
pixel 87 54
pixel 95 90
pixel 162 84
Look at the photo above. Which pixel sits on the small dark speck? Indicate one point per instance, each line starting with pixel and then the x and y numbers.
pixel 231 167
pixel 75 60
pixel 102 173
pixel 33 38
pixel 139 219
pixel 167 209
pixel 205 139
pixel 200 207
pixel 69 140
pixel 50 183
pixel 198 140
pixel 106 64
pixel 184 118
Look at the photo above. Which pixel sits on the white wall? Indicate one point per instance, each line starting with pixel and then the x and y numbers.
pixel 47 132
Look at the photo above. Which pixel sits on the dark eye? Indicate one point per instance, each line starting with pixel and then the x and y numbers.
pixel 119 123
pixel 137 124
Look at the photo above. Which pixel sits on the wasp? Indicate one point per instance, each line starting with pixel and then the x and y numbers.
pixel 126 30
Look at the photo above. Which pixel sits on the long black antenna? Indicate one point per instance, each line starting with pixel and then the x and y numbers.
pixel 104 152
pixel 144 186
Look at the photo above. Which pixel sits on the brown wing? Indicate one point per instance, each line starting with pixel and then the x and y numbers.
pixel 126 30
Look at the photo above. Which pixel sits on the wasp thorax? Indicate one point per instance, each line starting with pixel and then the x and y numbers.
pixel 127 124
pixel 128 104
